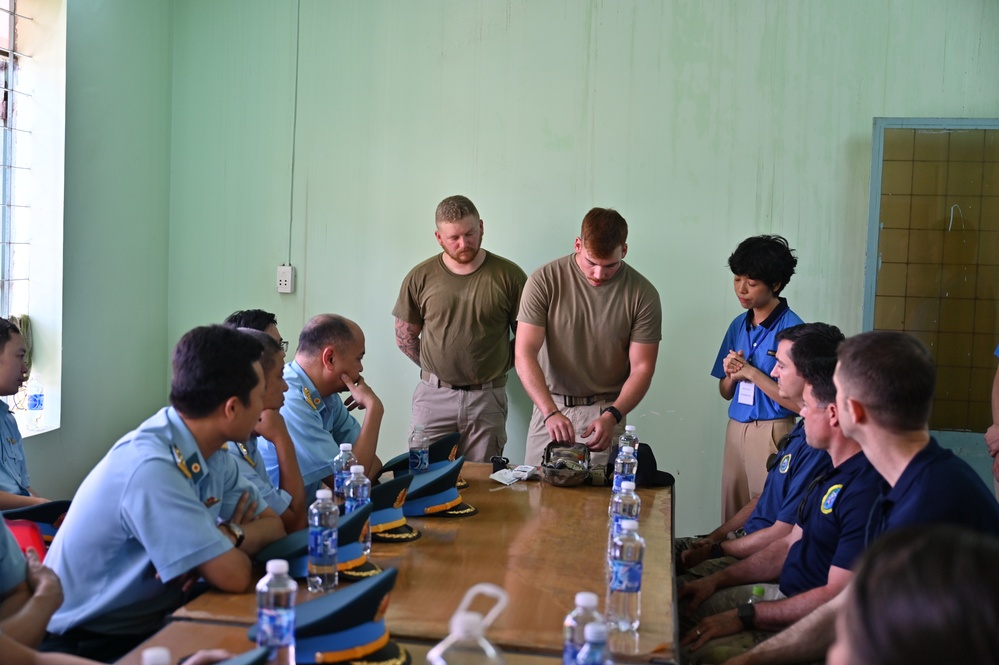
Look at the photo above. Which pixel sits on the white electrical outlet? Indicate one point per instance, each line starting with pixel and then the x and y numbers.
pixel 286 279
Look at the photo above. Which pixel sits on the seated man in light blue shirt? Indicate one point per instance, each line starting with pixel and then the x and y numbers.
pixel 163 508
pixel 327 362
pixel 15 484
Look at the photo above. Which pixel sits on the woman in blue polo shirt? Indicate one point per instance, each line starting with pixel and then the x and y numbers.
pixel 758 415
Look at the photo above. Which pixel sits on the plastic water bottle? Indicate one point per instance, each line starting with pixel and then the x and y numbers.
pixel 276 613
pixel 323 516
pixel 466 644
pixel 341 470
pixel 157 656
pixel 759 591
pixel 358 492
pixel 624 590
pixel 35 403
pixel 419 450
pixel 594 652
pixel 575 623
pixel 625 505
pixel 626 464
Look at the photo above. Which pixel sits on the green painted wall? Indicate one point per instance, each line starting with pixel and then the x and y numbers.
pixel 702 122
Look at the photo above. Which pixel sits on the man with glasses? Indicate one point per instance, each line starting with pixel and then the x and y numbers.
pixel 813 563
pixel 771 516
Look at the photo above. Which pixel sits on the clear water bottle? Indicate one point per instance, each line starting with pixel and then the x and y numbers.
pixel 626 464
pixel 276 613
pixel 759 591
pixel 624 590
pixel 358 493
pixel 157 656
pixel 625 505
pixel 419 450
pixel 594 652
pixel 341 471
pixel 466 644
pixel 574 624
pixel 323 516
pixel 35 403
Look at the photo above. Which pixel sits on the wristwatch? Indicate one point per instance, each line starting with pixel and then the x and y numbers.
pixel 237 532
pixel 613 411
pixel 747 614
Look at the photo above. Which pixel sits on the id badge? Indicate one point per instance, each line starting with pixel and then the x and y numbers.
pixel 747 390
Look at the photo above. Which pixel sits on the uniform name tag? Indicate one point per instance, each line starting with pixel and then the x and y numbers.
pixel 747 391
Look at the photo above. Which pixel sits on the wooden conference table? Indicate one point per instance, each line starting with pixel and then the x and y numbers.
pixel 540 543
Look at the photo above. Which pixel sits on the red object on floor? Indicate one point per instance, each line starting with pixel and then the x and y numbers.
pixel 27 535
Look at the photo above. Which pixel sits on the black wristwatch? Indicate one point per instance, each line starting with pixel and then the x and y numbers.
pixel 747 614
pixel 236 531
pixel 716 551
pixel 613 411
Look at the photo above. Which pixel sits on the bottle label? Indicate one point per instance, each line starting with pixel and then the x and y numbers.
pixel 626 576
pixel 354 503
pixel 419 460
pixel 340 482
pixel 569 653
pixel 36 402
pixel 620 478
pixel 275 627
pixel 322 542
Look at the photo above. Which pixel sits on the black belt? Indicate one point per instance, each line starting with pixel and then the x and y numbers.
pixel 435 381
pixel 589 400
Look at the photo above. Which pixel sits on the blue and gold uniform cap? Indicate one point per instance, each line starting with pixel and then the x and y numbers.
pixel 388 522
pixel 433 494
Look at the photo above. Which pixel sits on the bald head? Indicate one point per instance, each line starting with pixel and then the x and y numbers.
pixel 325 330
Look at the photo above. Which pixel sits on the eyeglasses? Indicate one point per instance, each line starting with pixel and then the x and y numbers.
pixel 284 345
pixel 781 445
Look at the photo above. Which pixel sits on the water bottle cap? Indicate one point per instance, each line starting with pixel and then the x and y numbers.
pixel 277 567
pixel 357 469
pixel 156 656
pixel 628 449
pixel 345 447
pixel 324 494
pixel 595 632
pixel 631 525
pixel 587 600
pixel 419 428
pixel 628 486
pixel 466 624
pixel 759 590
pixel 629 428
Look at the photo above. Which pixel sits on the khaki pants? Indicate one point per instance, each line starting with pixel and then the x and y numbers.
pixel 478 415
pixel 744 463
pixel 581 417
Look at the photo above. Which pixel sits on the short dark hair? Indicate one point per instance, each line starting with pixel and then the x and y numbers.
pixel 271 354
pixel 210 365
pixel 454 208
pixel 813 352
pixel 767 259
pixel 892 375
pixel 7 330
pixel 257 319
pixel 925 595
pixel 322 330
pixel 604 230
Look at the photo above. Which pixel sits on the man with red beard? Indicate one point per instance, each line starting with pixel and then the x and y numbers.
pixel 455 318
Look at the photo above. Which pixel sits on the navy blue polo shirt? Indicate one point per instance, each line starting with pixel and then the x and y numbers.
pixel 936 487
pixel 833 521
pixel 759 345
pixel 797 465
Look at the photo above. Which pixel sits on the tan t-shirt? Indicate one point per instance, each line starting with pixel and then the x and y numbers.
pixel 466 318
pixel 588 329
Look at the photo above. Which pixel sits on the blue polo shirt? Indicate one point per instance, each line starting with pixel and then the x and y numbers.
pixel 14 477
pixel 145 515
pixel 759 345
pixel 13 567
pixel 797 465
pixel 251 465
pixel 833 521
pixel 937 487
pixel 317 424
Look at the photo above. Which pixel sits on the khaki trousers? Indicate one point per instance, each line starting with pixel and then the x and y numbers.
pixel 744 463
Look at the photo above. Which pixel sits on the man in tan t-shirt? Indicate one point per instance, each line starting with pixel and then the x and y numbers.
pixel 587 341
pixel 455 316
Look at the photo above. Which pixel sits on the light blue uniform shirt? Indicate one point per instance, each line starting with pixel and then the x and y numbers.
pixel 13 567
pixel 252 466
pixel 14 477
pixel 150 508
pixel 317 424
